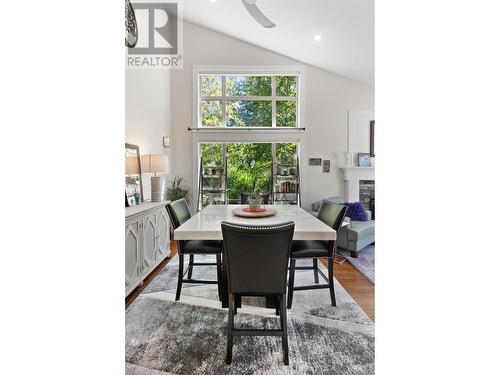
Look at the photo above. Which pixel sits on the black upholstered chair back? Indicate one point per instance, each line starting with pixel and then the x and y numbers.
pixel 332 214
pixel 257 257
pixel 178 212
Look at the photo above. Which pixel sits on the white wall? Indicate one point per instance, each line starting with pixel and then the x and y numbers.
pixel 148 113
pixel 328 98
pixel 359 127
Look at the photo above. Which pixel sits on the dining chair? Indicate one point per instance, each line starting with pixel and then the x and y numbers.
pixel 179 213
pixel 332 215
pixel 257 260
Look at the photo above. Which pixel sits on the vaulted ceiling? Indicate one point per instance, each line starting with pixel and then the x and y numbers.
pixel 346 28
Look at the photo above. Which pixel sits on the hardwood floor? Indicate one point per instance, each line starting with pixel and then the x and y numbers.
pixel 358 286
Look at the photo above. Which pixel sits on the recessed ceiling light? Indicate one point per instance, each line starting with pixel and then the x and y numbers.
pixel 317 38
pixel 213 1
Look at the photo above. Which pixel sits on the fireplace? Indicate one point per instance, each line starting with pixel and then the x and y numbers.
pixel 367 195
pixel 352 177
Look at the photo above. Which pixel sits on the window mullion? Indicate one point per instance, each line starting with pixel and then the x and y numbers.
pixel 224 101
pixel 273 101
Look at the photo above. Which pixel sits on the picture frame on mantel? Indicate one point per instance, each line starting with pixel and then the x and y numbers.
pixel 364 159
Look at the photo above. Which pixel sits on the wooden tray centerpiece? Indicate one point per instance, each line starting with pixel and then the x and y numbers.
pixel 254 212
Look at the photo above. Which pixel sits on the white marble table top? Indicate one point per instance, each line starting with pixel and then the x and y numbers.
pixel 205 225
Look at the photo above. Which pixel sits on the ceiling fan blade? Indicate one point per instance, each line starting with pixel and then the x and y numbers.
pixel 258 15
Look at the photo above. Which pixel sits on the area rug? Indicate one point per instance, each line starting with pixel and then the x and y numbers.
pixel 364 263
pixel 189 336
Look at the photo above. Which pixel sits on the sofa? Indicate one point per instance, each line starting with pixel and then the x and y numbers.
pixel 356 235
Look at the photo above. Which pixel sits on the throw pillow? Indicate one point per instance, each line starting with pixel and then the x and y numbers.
pixel 356 211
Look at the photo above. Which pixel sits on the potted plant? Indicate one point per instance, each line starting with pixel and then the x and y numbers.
pixel 178 189
pixel 254 199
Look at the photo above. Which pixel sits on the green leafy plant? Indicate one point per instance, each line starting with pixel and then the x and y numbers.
pixel 179 189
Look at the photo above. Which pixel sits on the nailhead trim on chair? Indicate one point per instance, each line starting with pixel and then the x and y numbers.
pixel 277 226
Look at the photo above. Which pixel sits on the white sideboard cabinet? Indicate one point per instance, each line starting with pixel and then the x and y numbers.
pixel 147 241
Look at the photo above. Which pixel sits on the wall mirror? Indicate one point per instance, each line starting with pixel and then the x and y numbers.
pixel 133 179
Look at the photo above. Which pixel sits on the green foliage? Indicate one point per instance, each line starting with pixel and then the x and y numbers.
pixel 249 165
pixel 178 189
pixel 211 153
pixel 286 86
pixel 211 85
pixel 249 113
pixel 286 111
pixel 211 110
pixel 286 153
pixel 241 85
pixel 249 168
pixel 245 112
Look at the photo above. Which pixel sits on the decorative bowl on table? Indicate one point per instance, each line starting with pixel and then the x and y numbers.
pixel 254 212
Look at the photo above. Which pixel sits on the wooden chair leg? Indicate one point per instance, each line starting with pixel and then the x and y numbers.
pixel 230 326
pixel 190 269
pixel 284 340
pixel 179 280
pixel 291 280
pixel 315 265
pixel 219 274
pixel 330 281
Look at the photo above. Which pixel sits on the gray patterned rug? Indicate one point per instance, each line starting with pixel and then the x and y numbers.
pixel 364 263
pixel 189 336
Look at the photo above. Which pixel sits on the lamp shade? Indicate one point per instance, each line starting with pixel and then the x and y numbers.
pixel 154 164
pixel 132 165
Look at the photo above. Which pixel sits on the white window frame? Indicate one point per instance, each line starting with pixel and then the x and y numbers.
pixel 272 71
pixel 252 137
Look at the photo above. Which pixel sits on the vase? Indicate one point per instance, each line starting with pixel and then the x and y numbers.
pixel 254 203
pixel 348 159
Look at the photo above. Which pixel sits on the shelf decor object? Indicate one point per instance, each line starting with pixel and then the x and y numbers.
pixel 166 142
pixel 212 184
pixel 155 164
pixel 286 182
pixel 348 159
pixel 364 159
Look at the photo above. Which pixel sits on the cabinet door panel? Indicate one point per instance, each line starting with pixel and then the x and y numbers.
pixel 149 233
pixel 132 253
pixel 162 227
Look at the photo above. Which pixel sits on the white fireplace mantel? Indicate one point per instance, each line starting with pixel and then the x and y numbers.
pixel 352 176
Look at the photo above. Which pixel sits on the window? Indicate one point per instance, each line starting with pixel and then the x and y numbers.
pixel 248 100
pixel 241 178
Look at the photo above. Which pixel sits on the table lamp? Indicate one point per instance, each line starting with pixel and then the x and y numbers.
pixel 132 165
pixel 155 164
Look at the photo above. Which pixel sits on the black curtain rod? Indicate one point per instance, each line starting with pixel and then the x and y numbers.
pixel 244 128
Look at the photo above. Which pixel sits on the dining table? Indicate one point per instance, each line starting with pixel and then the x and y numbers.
pixel 206 225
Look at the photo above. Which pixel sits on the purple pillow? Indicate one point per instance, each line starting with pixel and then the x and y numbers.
pixel 356 211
